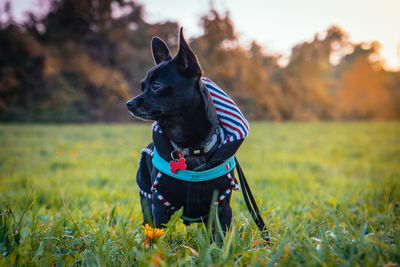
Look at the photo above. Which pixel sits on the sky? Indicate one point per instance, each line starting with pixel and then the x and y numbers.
pixel 278 25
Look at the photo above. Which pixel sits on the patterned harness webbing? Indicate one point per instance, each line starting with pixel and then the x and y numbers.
pixel 150 152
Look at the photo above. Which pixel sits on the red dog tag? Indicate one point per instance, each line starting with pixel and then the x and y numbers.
pixel 177 165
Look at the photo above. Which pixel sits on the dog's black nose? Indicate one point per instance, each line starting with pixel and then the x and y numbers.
pixel 130 104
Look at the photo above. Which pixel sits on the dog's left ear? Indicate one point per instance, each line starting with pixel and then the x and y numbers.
pixel 160 50
pixel 186 60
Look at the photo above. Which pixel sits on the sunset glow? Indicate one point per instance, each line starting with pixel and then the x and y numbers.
pixel 279 25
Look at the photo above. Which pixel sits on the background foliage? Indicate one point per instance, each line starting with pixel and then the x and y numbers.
pixel 82 60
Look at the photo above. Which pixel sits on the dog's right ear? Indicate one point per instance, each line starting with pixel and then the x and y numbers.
pixel 160 50
pixel 186 60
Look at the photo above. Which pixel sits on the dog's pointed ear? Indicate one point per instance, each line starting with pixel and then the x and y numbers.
pixel 186 60
pixel 160 50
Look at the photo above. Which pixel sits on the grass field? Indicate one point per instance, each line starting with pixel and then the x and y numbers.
pixel 329 192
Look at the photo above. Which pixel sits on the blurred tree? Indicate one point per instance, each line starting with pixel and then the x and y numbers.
pixel 307 80
pixel 362 92
pixel 244 74
pixel 393 86
pixel 216 46
pixel 87 57
pixel 21 75
pixel 84 58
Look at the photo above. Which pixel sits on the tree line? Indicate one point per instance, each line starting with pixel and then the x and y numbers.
pixel 83 59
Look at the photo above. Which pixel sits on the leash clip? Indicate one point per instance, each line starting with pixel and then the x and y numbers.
pixel 176 155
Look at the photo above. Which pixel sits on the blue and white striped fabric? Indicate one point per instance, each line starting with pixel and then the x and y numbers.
pixel 233 124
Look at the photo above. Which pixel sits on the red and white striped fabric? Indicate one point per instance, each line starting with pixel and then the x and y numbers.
pixel 233 124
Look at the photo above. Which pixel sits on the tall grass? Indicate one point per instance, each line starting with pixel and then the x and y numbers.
pixel 329 193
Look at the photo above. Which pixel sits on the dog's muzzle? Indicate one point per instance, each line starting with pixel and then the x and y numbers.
pixel 131 105
pixel 135 107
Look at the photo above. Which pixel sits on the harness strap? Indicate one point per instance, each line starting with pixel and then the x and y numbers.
pixel 193 176
pixel 198 219
pixel 147 150
pixel 158 195
pixel 152 153
pixel 163 200
pixel 145 194
pixel 156 181
pixel 234 185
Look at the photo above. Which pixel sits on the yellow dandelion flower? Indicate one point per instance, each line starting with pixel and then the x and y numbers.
pixel 152 234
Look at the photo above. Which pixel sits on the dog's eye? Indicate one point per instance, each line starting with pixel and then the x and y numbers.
pixel 156 86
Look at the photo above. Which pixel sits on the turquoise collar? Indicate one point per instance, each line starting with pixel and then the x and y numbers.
pixel 193 176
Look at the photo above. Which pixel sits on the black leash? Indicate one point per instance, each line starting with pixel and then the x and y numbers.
pixel 251 203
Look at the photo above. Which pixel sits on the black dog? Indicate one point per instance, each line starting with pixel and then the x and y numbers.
pixel 198 127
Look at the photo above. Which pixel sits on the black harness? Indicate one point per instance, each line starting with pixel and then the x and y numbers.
pixel 191 214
